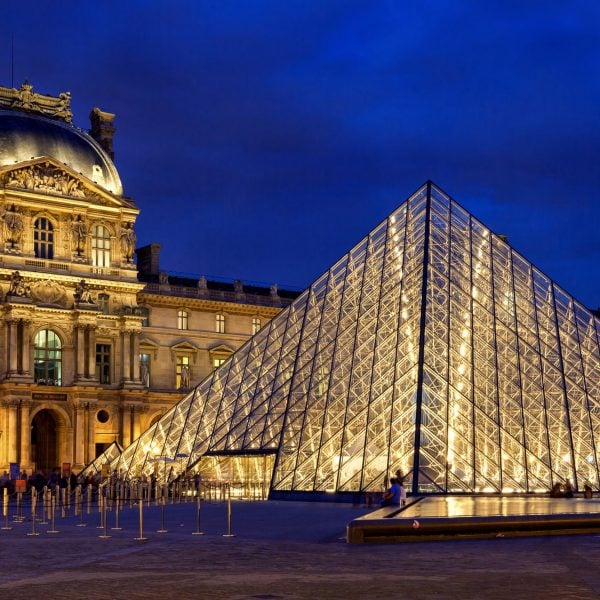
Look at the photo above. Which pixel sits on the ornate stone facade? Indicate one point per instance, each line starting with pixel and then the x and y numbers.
pixel 90 352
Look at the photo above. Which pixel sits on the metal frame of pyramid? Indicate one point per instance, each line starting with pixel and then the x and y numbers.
pixel 431 348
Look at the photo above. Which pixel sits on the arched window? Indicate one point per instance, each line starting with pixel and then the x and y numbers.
pixel 100 246
pixel 47 358
pixel 43 238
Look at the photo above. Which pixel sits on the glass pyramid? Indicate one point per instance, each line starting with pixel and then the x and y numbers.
pixel 430 348
pixel 108 456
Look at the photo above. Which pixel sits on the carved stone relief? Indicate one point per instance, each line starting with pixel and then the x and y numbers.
pixel 44 177
pixel 49 292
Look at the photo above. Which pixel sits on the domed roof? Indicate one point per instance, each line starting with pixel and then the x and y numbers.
pixel 25 136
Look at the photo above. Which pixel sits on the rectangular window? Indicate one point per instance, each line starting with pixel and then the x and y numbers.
pixel 220 324
pixel 145 369
pixel 217 362
pixel 103 363
pixel 182 319
pixel 182 373
pixel 255 325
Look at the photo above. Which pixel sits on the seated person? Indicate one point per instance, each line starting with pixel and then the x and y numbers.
pixel 587 490
pixel 392 495
pixel 568 489
pixel 556 491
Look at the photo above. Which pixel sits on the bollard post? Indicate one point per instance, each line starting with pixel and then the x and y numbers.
pixel 103 521
pixel 228 534
pixel 101 505
pixel 33 511
pixel 117 503
pixel 5 509
pixel 198 532
pixel 52 509
pixel 141 536
pixel 79 502
pixel 162 516
pixel 44 493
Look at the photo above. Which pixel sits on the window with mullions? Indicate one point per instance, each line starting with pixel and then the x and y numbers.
pixel 145 369
pixel 182 372
pixel 182 319
pixel 255 325
pixel 100 246
pixel 47 358
pixel 220 323
pixel 103 362
pixel 43 238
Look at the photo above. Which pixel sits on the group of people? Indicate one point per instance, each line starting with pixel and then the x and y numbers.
pixel 38 480
pixel 567 490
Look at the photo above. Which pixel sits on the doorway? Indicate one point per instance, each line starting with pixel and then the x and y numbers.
pixel 44 441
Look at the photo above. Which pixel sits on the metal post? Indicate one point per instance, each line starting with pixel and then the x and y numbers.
pixel 162 516
pixel 141 537
pixel 33 510
pixel 44 505
pixel 89 498
pixel 198 532
pixel 104 526
pixel 52 509
pixel 228 534
pixel 117 504
pixel 5 509
pixel 79 503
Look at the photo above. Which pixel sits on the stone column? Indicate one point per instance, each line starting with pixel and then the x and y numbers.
pixel 136 421
pixel 25 348
pixel 136 356
pixel 79 435
pixel 91 432
pixel 91 331
pixel 25 458
pixel 12 430
pixel 79 352
pixel 126 355
pixel 126 425
pixel 12 347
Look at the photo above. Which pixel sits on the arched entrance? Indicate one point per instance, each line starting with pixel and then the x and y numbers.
pixel 44 440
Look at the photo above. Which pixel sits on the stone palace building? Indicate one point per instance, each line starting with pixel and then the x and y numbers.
pixel 94 348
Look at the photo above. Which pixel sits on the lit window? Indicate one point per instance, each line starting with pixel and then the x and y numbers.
pixel 100 246
pixel 43 238
pixel 217 362
pixel 255 325
pixel 182 372
pixel 47 358
pixel 145 369
pixel 220 324
pixel 103 363
pixel 182 319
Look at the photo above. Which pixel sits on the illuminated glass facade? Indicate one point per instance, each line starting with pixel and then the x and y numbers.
pixel 432 347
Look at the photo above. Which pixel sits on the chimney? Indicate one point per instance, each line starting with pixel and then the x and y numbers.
pixel 148 259
pixel 103 130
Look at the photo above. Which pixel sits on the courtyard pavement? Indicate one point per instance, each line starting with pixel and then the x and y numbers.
pixel 282 551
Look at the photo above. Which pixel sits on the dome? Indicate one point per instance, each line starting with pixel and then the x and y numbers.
pixel 25 136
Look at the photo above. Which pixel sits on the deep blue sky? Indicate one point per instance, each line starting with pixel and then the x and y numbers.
pixel 261 140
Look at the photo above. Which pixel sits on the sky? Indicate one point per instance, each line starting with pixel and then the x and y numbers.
pixel 261 140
